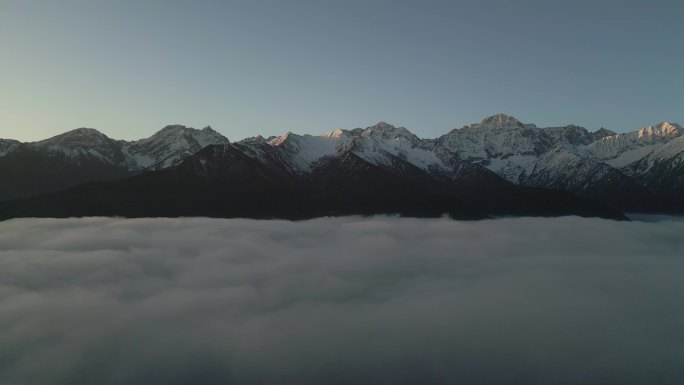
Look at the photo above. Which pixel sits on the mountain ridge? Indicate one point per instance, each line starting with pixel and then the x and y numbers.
pixel 86 154
pixel 225 181
pixel 623 171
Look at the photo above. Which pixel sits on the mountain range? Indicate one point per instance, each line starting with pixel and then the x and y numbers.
pixel 499 166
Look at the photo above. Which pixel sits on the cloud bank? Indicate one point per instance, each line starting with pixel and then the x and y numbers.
pixel 341 301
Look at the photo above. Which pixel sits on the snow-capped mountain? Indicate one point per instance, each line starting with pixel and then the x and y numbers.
pixel 165 148
pixel 169 147
pixel 626 171
pixel 299 153
pixel 496 137
pixel 501 143
pixel 378 144
pixel 83 145
pixel 87 155
pixel 565 168
pixel 597 165
pixel 227 181
pixel 669 154
pixel 620 150
pixel 561 158
pixel 509 147
pixel 662 170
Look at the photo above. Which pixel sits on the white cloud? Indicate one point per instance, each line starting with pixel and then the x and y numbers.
pixel 341 301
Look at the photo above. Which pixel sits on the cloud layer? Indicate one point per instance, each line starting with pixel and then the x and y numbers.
pixel 341 301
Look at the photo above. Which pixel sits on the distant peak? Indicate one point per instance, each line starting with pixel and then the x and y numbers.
pixel 255 139
pixel 175 130
pixel 661 129
pixel 382 126
pixel 78 137
pixel 174 127
pixel 208 128
pixel 279 140
pixel 669 126
pixel 603 132
pixel 387 131
pixel 501 120
pixel 82 132
pixel 338 133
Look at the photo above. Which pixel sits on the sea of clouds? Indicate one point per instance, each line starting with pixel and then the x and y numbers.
pixel 341 301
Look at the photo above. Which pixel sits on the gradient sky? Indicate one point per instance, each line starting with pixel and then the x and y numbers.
pixel 265 67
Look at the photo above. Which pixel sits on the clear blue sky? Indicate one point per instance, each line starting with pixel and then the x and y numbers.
pixel 270 66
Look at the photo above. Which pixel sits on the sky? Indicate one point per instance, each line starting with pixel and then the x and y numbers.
pixel 128 68
pixel 341 301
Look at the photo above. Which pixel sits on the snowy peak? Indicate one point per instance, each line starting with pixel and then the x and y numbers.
pixel 300 153
pixel 381 126
pixel 501 143
pixel 173 128
pixel 574 135
pixel 501 121
pixel 664 129
pixel 379 144
pixel 511 148
pixel 597 165
pixel 80 137
pixel 81 144
pixel 384 152
pixel 384 130
pixel 169 146
pixel 338 133
pixel 602 133
pixel 284 139
pixel 178 130
pixel 255 139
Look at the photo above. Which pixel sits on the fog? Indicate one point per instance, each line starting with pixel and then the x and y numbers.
pixel 341 301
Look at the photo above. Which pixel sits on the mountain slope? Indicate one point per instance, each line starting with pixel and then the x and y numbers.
pixel 28 171
pixel 563 169
pixel 663 171
pixel 620 150
pixel 349 184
